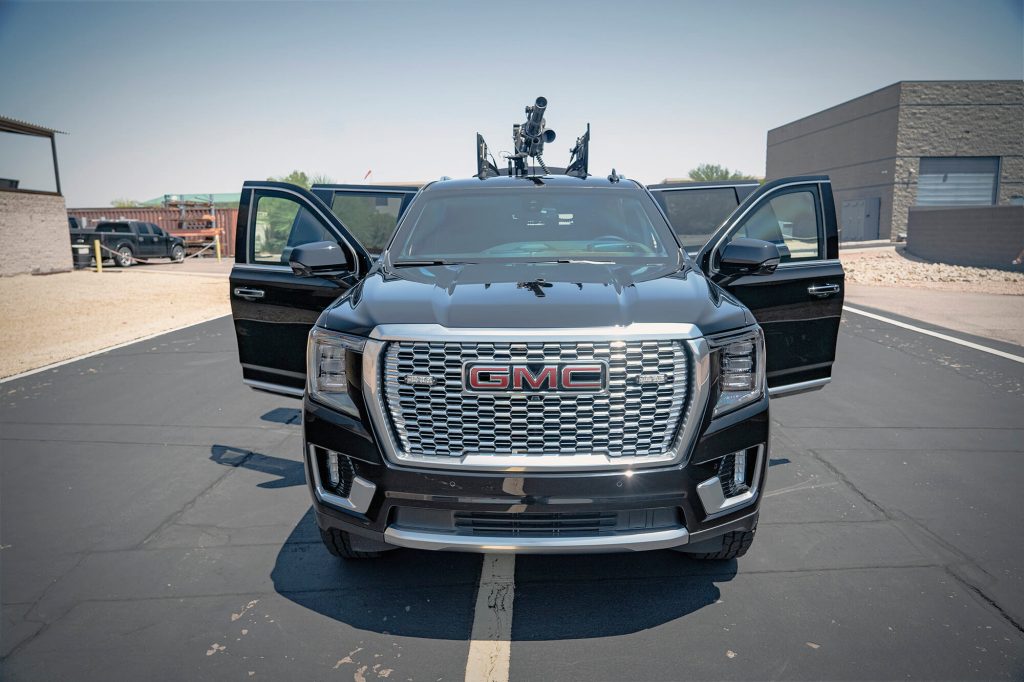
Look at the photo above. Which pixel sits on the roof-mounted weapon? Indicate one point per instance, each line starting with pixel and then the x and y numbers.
pixel 528 140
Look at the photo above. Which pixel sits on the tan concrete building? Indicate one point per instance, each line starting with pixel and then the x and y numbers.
pixel 33 219
pixel 913 143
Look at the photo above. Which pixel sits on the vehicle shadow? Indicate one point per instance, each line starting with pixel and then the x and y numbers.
pixel 289 472
pixel 432 594
pixel 283 415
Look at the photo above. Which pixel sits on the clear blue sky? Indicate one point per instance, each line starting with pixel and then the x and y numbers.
pixel 178 97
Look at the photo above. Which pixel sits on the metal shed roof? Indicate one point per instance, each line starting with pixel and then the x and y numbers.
pixel 13 125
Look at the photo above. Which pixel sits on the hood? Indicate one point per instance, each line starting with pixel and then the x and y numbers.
pixel 540 295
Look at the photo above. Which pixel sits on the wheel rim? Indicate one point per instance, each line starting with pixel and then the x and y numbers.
pixel 126 256
pixel 179 255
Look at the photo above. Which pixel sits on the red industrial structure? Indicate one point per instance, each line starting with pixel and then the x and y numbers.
pixel 197 225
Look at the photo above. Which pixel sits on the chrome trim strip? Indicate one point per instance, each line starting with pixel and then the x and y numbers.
pixel 799 387
pixel 283 372
pixel 629 332
pixel 261 266
pixel 373 394
pixel 353 190
pixel 714 500
pixel 697 187
pixel 359 498
pixel 795 264
pixel 632 542
pixel 274 388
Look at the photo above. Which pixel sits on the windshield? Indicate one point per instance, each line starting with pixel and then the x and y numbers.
pixel 534 223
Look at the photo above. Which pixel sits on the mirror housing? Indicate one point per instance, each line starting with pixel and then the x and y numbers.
pixel 745 256
pixel 320 259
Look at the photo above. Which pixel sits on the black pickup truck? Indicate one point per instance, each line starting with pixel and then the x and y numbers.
pixel 534 363
pixel 130 240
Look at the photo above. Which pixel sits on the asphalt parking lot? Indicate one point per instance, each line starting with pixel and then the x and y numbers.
pixel 155 524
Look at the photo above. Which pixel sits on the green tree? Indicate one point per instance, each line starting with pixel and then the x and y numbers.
pixel 707 172
pixel 275 216
pixel 125 203
pixel 295 178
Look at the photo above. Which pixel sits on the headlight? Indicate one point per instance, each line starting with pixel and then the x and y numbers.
pixel 328 359
pixel 741 364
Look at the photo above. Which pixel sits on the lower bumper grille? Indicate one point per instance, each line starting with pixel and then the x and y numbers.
pixel 534 524
pixel 537 524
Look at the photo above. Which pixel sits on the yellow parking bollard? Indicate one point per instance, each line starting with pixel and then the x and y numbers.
pixel 99 255
pixel 216 245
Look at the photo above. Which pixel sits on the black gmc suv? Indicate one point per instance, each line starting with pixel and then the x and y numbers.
pixel 535 364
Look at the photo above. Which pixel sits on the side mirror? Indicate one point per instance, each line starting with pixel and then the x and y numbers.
pixel 320 259
pixel 744 256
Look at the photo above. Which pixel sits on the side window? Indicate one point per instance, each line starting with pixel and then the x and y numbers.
pixel 156 230
pixel 791 221
pixel 144 229
pixel 370 217
pixel 279 224
pixel 695 214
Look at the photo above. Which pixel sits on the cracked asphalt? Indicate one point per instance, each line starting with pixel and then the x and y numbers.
pixel 154 522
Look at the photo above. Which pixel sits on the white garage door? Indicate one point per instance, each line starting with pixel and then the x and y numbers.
pixel 957 181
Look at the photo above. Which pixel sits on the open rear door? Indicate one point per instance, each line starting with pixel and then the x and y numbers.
pixel 273 308
pixel 800 304
pixel 369 212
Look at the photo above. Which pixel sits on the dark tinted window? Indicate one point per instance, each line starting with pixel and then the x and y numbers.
pixel 156 230
pixel 144 229
pixel 120 228
pixel 696 213
pixel 369 216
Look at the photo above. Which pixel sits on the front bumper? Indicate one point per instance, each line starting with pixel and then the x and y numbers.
pixel 383 494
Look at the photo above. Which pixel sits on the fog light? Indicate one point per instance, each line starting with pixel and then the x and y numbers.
pixel 739 469
pixel 333 471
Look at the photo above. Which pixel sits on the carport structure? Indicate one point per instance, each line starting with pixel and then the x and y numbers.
pixel 33 218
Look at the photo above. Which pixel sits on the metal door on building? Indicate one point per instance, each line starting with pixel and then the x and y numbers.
pixel 859 219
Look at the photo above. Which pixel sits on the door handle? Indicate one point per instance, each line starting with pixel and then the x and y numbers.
pixel 823 290
pixel 249 294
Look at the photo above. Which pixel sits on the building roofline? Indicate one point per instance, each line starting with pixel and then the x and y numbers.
pixel 897 84
pixel 14 125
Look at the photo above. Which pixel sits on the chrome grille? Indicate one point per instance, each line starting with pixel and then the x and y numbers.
pixel 628 420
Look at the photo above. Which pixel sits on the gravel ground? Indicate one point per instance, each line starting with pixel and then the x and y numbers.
pixel 55 317
pixel 894 267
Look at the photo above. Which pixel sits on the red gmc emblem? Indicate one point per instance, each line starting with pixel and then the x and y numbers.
pixel 584 377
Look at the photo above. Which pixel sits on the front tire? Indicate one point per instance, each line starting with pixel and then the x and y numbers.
pixel 339 543
pixel 177 254
pixel 734 545
pixel 125 257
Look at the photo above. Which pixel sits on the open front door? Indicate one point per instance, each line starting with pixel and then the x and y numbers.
pixel 800 304
pixel 273 308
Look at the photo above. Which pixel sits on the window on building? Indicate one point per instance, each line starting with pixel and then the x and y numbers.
pixel 957 180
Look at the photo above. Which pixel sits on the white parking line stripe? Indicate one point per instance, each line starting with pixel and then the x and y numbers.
pixel 490 646
pixel 929 332
pixel 55 365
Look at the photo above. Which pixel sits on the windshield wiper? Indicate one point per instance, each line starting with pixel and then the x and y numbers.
pixel 571 260
pixel 424 263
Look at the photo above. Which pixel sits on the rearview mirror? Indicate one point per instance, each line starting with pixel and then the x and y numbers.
pixel 319 259
pixel 744 256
